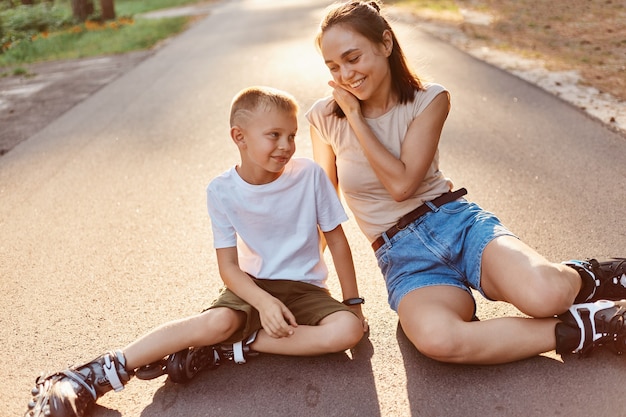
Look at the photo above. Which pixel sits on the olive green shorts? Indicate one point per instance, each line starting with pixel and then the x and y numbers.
pixel 307 302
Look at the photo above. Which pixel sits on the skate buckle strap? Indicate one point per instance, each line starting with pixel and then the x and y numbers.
pixel 79 380
pixel 238 356
pixel 238 348
pixel 111 373
pixel 588 331
pixel 216 357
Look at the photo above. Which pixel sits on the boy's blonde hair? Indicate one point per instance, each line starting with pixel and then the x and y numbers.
pixel 251 99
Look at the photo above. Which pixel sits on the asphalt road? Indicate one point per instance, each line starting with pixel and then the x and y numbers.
pixel 104 232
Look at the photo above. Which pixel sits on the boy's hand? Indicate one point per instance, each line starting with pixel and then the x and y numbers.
pixel 276 318
pixel 359 312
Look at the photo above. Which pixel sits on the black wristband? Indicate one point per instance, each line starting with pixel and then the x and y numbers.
pixel 354 301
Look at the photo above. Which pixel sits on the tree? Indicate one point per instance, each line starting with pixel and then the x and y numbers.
pixel 108 9
pixel 81 9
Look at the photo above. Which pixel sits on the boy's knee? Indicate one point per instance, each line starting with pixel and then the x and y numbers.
pixel 221 320
pixel 354 334
pixel 346 333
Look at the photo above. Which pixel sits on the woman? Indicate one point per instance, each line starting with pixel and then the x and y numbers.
pixel 377 139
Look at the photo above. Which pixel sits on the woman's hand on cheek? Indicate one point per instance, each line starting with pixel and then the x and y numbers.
pixel 346 100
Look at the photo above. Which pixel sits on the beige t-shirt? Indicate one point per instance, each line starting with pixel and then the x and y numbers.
pixel 373 207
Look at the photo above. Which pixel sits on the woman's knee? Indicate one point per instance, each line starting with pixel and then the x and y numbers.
pixel 433 319
pixel 434 341
pixel 516 273
pixel 551 291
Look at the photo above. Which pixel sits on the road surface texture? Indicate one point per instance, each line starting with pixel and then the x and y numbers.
pixel 104 232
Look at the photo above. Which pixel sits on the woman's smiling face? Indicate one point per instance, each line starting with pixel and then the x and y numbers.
pixel 355 63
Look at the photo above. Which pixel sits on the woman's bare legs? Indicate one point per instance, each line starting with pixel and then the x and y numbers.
pixel 438 319
pixel 515 273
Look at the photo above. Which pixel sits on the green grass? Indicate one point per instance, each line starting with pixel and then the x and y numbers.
pixel 133 7
pixel 143 34
pixel 435 5
pixel 79 42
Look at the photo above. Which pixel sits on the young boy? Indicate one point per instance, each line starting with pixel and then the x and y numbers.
pixel 266 214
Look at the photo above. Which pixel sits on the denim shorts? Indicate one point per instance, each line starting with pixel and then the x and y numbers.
pixel 443 247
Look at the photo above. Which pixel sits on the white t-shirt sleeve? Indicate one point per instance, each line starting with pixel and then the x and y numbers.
pixel 330 211
pixel 224 235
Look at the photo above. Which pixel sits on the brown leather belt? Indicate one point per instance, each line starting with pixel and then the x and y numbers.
pixel 410 217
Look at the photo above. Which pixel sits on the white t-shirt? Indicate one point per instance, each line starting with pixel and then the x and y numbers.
pixel 274 226
pixel 373 207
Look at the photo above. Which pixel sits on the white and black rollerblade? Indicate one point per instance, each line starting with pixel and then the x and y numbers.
pixel 602 280
pixel 72 392
pixel 183 365
pixel 587 326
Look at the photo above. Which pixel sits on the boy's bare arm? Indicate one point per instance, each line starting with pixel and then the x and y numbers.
pixel 276 318
pixel 344 265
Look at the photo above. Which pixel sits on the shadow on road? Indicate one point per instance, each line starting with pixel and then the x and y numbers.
pixel 272 385
pixel 540 386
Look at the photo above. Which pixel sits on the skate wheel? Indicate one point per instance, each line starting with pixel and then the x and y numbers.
pixel 151 371
pixel 179 367
pixel 185 364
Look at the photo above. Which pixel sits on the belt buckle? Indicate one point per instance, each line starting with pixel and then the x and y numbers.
pixel 403 227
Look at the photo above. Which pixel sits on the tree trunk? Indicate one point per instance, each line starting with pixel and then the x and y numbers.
pixel 81 9
pixel 108 9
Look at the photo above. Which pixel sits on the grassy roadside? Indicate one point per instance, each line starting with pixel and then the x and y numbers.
pixel 588 36
pixel 56 37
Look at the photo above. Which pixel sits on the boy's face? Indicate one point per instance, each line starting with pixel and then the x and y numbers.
pixel 266 142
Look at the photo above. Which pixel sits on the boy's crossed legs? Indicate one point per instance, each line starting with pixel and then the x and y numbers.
pixel 324 326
